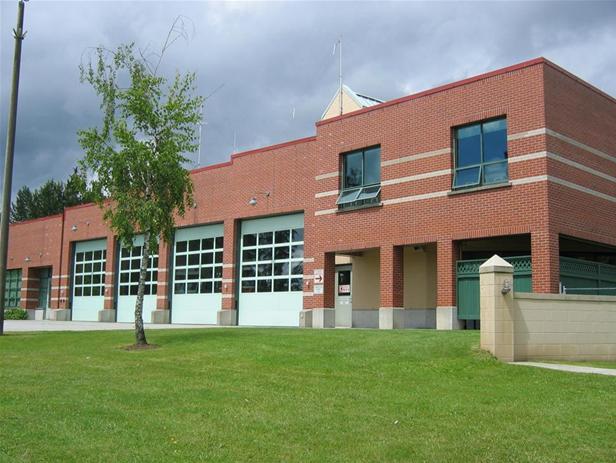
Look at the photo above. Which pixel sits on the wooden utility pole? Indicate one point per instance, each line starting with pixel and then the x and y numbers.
pixel 19 35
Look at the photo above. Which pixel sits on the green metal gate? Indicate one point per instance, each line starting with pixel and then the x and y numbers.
pixel 467 283
pixel 579 276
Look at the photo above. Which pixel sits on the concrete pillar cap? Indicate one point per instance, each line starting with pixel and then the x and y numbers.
pixel 496 264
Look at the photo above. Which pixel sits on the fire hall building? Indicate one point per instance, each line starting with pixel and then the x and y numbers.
pixel 380 219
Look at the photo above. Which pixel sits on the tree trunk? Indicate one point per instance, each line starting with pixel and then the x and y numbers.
pixel 143 272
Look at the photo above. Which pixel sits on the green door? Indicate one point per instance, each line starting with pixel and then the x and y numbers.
pixel 467 283
pixel 12 288
pixel 44 288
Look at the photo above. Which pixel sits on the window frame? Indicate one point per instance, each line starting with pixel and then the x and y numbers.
pixel 208 268
pixel 85 273
pixel 482 164
pixel 132 256
pixel 262 276
pixel 356 200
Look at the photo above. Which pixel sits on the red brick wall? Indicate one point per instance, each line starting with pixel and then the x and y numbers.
pixel 587 115
pixel 424 124
pixel 34 244
pixel 409 126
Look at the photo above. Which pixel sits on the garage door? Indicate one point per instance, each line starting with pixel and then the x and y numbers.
pixel 197 274
pixel 271 271
pixel 128 283
pixel 89 262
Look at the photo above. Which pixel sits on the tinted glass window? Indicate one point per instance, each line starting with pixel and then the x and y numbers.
pixel 372 166
pixel 495 141
pixel 481 154
pixel 353 170
pixel 468 146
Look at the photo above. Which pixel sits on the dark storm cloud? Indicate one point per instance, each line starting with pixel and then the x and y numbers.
pixel 274 58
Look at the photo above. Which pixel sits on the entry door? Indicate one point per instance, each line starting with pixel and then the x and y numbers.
pixel 44 288
pixel 344 300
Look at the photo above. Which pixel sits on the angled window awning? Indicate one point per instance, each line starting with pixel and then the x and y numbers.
pixel 366 193
pixel 369 192
pixel 348 196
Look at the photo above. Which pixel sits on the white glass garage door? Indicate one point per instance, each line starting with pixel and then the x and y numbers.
pixel 197 274
pixel 89 279
pixel 271 271
pixel 128 283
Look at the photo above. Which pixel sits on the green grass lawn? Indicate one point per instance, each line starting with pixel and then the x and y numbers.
pixel 292 395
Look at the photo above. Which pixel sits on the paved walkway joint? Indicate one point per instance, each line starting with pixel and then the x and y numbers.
pixel 569 368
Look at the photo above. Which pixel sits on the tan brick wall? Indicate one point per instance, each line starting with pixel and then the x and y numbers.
pixel 564 327
pixel 528 326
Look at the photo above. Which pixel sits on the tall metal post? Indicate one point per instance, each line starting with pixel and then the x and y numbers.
pixel 340 72
pixel 19 35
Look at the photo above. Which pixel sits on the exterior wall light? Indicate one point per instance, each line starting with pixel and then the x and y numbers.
pixel 253 200
pixel 506 289
pixel 74 227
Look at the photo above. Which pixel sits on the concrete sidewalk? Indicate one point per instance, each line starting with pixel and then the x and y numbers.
pixel 568 368
pixel 14 326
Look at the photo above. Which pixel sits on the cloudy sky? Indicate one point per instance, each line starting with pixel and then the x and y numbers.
pixel 275 60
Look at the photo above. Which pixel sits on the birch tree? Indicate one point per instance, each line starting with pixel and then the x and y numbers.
pixel 136 157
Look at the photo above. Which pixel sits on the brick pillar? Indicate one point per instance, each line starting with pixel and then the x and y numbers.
pixel 162 290
pixel 55 289
pixel 162 314
pixel 29 288
pixel 108 314
pixel 319 309
pixel 61 286
pixel 446 310
pixel 545 261
pixel 63 282
pixel 391 310
pixel 227 316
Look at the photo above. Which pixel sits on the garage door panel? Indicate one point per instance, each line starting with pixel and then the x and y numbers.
pixel 126 308
pixel 88 282
pixel 271 271
pixel 196 308
pixel 197 274
pixel 128 283
pixel 270 310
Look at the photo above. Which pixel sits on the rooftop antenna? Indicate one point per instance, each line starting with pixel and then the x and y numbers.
pixel 339 45
pixel 340 70
pixel 202 122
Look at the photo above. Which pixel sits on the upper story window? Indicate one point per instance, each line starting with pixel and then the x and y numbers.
pixel 361 178
pixel 480 154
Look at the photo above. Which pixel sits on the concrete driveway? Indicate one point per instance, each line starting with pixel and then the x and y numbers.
pixel 12 326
